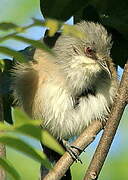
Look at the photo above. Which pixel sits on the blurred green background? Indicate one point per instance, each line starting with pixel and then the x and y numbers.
pixel 21 12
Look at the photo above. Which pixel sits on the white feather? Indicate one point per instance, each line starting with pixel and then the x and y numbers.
pixel 56 102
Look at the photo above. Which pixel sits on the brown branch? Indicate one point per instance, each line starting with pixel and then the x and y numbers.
pixel 66 160
pixel 110 129
pixel 2 147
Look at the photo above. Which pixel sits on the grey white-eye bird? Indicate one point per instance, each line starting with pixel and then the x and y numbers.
pixel 72 88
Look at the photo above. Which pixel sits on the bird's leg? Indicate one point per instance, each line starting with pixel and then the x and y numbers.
pixel 70 149
pixel 104 121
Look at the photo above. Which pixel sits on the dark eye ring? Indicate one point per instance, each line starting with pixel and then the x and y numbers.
pixel 89 50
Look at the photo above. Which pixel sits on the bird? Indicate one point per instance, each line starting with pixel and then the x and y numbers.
pixel 73 87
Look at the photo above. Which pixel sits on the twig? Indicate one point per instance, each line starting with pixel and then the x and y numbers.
pixel 110 129
pixel 82 142
pixel 2 147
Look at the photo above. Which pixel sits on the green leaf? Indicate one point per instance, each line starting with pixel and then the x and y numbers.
pixel 49 141
pixel 12 53
pixel 5 26
pixel 2 65
pixel 23 147
pixel 6 127
pixel 37 22
pixel 53 26
pixel 24 129
pixel 72 31
pixel 30 130
pixel 5 164
pixel 23 124
pixel 35 43
pixel 19 117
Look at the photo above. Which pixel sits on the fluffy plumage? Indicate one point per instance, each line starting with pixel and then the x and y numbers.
pixel 71 89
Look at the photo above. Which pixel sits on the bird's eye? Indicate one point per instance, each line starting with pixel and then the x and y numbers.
pixel 89 50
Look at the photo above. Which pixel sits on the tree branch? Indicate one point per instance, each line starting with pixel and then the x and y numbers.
pixel 110 129
pixel 82 142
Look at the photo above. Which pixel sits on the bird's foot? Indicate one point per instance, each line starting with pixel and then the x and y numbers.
pixel 70 149
pixel 104 122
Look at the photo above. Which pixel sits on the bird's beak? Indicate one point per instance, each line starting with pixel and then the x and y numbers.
pixel 104 66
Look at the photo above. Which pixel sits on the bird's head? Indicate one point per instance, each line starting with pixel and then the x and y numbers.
pixel 83 60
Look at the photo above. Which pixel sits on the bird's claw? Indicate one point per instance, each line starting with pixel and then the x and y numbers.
pixel 73 154
pixel 69 148
pixel 75 147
